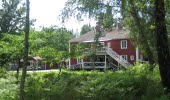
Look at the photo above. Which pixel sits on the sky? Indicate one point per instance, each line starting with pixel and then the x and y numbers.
pixel 46 12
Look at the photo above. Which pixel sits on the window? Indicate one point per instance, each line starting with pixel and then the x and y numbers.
pixel 141 57
pixel 132 57
pixel 100 58
pixel 124 44
pixel 102 44
pixel 124 57
pixel 79 61
pixel 108 44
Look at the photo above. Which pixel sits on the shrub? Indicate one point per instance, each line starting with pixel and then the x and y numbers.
pixel 136 83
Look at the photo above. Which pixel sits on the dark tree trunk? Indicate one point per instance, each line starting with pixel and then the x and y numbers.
pixel 27 28
pixel 162 43
pixel 17 74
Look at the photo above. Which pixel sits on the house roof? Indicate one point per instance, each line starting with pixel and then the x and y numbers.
pixel 109 35
pixel 32 58
pixel 37 58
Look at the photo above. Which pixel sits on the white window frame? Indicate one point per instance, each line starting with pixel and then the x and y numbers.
pixel 132 57
pixel 79 61
pixel 108 44
pixel 124 57
pixel 102 44
pixel 141 57
pixel 123 46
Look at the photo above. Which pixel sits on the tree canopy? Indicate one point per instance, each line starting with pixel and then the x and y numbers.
pixel 100 10
pixel 85 29
pixel 12 16
pixel 148 28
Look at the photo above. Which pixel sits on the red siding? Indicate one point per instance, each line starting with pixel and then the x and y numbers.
pixel 86 60
pixel 116 46
pixel 73 61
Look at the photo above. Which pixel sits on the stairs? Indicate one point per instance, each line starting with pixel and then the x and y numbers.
pixel 117 57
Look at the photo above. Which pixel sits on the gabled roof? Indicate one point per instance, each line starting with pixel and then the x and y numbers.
pixel 113 34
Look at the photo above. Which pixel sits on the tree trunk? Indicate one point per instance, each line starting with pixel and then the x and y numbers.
pixel 162 43
pixel 17 74
pixel 27 28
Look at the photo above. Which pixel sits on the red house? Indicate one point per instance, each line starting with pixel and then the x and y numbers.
pixel 116 51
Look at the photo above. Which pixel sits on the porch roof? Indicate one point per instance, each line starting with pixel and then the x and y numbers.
pixel 113 34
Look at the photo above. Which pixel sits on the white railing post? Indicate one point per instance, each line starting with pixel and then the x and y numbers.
pixel 137 54
pixel 69 66
pixel 82 64
pixel 105 62
pixel 117 57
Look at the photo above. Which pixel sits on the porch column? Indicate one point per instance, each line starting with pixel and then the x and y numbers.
pixel 45 65
pixel 137 54
pixel 69 57
pixel 105 62
pixel 82 64
pixel 119 63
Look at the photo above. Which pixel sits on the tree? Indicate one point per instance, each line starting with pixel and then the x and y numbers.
pixel 137 16
pixel 26 49
pixel 50 43
pixel 12 46
pixel 98 9
pixel 147 19
pixel 149 28
pixel 11 21
pixel 162 43
pixel 11 17
pixel 106 19
pixel 85 29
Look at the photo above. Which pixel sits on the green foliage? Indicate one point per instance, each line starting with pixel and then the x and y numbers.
pixel 3 72
pixel 8 88
pixel 77 50
pixel 100 10
pixel 12 16
pixel 50 44
pixel 136 22
pixel 136 83
pixel 12 45
pixel 85 29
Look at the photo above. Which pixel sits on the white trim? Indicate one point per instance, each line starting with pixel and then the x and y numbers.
pixel 79 61
pixel 121 44
pixel 69 65
pixel 124 57
pixel 109 44
pixel 141 57
pixel 105 62
pixel 132 57
pixel 137 54
pixel 102 44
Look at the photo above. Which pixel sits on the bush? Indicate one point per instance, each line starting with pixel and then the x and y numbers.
pixel 8 88
pixel 3 72
pixel 134 83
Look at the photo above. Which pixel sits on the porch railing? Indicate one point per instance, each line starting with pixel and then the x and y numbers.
pixel 87 65
pixel 101 49
pixel 76 66
pixel 117 57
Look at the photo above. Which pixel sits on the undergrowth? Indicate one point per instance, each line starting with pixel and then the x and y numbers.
pixel 136 83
